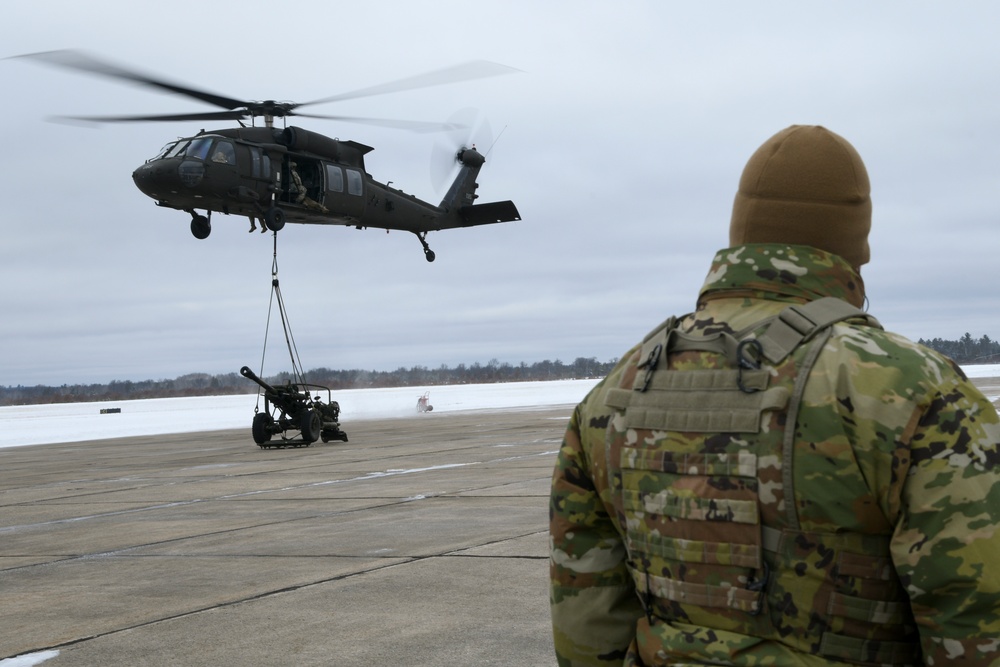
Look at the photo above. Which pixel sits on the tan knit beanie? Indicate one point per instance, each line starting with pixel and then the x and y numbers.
pixel 805 186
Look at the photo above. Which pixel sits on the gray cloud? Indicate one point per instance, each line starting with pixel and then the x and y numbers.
pixel 622 142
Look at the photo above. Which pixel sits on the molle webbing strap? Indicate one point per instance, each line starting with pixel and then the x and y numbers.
pixel 797 324
pixel 703 595
pixel 700 401
pixel 703 401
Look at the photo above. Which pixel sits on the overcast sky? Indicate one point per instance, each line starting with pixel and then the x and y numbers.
pixel 621 142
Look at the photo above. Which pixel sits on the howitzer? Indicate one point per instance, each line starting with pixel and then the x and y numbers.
pixel 292 408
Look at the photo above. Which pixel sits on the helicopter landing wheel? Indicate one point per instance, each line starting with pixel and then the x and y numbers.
pixel 428 253
pixel 200 227
pixel 274 217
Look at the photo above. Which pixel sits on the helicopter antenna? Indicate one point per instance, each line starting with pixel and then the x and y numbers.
pixel 488 150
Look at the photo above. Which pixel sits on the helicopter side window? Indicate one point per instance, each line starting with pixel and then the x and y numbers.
pixel 255 165
pixel 334 178
pixel 224 153
pixel 354 182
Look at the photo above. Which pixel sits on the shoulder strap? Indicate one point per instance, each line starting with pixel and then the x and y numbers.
pixel 798 323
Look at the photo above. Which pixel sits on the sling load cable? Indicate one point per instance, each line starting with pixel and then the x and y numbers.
pixel 297 372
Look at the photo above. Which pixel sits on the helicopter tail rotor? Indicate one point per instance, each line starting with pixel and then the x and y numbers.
pixel 472 129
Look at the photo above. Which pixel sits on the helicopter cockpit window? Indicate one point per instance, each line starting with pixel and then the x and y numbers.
pixel 224 153
pixel 354 186
pixel 177 148
pixel 166 150
pixel 198 148
pixel 173 149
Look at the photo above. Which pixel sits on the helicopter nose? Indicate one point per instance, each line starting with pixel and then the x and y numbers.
pixel 147 178
pixel 161 178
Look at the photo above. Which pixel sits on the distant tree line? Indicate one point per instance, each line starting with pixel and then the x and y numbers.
pixel 202 384
pixel 967 350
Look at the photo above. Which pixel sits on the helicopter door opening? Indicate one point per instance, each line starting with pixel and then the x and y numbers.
pixel 304 183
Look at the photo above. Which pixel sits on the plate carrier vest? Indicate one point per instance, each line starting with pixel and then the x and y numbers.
pixel 702 450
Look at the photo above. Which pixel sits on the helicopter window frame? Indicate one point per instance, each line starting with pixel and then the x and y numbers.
pixel 355 183
pixel 334 178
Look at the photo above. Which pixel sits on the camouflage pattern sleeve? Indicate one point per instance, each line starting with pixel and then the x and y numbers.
pixel 946 545
pixel 928 443
pixel 593 602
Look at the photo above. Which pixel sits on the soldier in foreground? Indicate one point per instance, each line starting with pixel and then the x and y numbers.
pixel 774 479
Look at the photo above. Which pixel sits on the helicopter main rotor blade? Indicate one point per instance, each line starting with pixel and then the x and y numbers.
pixel 412 125
pixel 78 60
pixel 208 115
pixel 476 69
pixel 239 109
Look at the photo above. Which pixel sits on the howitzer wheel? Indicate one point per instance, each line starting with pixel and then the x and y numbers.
pixel 261 428
pixel 311 426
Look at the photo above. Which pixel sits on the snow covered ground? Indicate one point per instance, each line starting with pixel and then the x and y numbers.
pixel 73 422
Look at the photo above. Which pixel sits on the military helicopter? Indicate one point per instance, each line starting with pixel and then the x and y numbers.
pixel 290 174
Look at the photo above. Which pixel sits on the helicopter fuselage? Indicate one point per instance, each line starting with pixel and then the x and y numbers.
pixel 294 175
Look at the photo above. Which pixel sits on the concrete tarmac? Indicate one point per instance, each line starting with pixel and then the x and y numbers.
pixel 421 541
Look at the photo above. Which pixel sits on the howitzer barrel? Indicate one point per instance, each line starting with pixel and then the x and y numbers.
pixel 250 375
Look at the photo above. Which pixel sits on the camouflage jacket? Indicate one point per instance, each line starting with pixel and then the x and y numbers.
pixel 887 551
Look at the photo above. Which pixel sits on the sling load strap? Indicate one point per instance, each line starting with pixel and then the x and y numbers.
pixel 293 351
pixel 286 328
